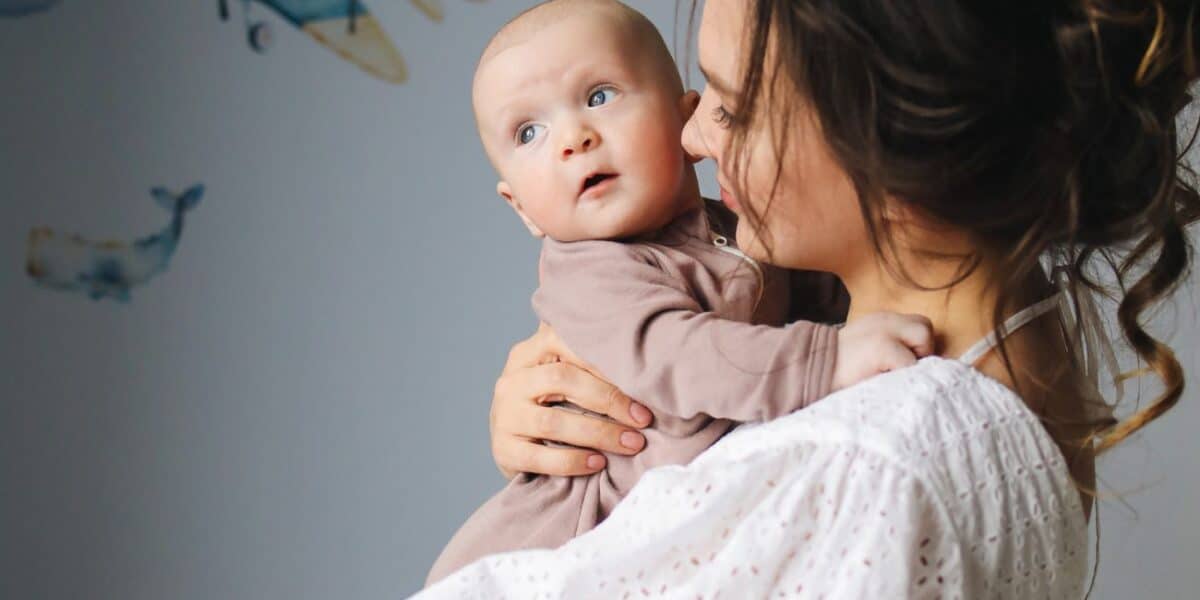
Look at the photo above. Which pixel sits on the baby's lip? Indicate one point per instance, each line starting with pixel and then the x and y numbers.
pixel 594 178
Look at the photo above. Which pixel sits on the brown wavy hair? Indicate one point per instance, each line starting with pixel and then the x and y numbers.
pixel 1056 118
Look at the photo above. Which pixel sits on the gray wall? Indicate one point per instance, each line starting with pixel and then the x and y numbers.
pixel 298 407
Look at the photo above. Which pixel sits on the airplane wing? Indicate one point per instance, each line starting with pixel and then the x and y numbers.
pixel 21 8
pixel 368 46
pixel 431 8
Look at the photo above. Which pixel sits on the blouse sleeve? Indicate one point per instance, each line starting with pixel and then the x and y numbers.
pixel 869 528
pixel 825 521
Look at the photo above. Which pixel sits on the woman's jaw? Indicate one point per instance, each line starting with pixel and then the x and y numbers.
pixel 729 201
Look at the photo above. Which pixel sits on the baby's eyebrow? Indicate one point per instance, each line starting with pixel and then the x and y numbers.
pixel 509 114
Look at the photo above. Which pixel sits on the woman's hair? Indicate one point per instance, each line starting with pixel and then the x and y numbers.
pixel 1045 130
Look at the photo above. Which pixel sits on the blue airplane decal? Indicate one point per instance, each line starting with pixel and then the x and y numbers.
pixel 22 8
pixel 344 26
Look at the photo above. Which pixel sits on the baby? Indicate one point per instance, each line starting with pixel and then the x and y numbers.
pixel 580 108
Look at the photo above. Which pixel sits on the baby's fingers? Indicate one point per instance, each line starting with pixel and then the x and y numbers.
pixel 916 332
pixel 894 356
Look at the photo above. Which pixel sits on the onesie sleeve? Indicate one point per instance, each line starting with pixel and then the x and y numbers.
pixel 641 329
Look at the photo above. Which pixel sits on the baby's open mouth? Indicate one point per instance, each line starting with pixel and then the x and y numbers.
pixel 594 180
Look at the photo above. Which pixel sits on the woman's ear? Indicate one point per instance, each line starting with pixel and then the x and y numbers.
pixel 688 103
pixel 503 189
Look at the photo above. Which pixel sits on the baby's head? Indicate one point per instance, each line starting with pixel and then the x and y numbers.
pixel 580 106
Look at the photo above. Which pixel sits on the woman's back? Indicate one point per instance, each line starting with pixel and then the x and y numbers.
pixel 931 480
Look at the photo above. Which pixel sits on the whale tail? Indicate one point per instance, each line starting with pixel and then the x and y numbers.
pixel 181 203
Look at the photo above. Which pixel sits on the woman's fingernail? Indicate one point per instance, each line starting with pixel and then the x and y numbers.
pixel 595 461
pixel 639 412
pixel 632 440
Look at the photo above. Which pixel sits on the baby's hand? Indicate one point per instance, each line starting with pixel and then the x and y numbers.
pixel 880 342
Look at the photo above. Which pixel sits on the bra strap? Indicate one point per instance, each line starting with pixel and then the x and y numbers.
pixel 1013 323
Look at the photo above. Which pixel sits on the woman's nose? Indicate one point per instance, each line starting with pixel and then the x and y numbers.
pixel 694 148
pixel 583 139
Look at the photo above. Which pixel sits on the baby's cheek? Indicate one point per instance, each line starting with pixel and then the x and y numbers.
pixel 665 153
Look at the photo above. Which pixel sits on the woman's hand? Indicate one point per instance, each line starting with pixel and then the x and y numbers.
pixel 540 371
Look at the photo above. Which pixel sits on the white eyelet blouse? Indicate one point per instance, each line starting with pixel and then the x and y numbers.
pixel 933 481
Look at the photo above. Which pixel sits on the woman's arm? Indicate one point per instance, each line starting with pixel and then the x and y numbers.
pixel 541 370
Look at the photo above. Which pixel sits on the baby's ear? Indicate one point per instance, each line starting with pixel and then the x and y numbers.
pixel 505 192
pixel 688 103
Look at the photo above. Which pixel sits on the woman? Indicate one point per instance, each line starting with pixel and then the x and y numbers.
pixel 938 157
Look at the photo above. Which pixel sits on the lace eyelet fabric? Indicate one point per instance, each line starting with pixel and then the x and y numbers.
pixel 928 482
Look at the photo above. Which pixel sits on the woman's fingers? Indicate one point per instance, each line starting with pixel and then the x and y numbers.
pixel 593 392
pixel 561 425
pixel 526 353
pixel 563 380
pixel 534 420
pixel 515 454
pixel 549 344
pixel 541 370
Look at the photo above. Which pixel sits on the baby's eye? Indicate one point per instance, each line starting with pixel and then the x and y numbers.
pixel 601 96
pixel 528 133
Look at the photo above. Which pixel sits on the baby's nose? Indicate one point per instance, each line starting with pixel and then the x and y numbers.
pixel 584 140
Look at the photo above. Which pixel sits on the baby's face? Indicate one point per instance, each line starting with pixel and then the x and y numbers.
pixel 584 136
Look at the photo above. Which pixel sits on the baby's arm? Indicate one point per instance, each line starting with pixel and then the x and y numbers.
pixel 643 330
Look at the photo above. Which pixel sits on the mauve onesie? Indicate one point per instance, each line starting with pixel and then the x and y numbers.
pixel 668 320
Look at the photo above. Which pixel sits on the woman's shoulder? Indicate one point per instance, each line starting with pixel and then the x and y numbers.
pixel 943 440
pixel 949 423
pixel 941 422
pixel 936 403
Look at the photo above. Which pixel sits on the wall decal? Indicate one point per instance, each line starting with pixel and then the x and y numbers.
pixel 344 26
pixel 108 269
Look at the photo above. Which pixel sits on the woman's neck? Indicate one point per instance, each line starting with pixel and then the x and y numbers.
pixel 961 314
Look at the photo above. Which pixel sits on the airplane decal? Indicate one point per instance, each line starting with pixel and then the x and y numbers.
pixel 23 8
pixel 344 26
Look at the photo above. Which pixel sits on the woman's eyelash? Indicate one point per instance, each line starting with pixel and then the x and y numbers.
pixel 723 117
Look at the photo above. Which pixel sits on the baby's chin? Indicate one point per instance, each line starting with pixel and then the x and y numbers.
pixel 602 231
pixel 622 218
